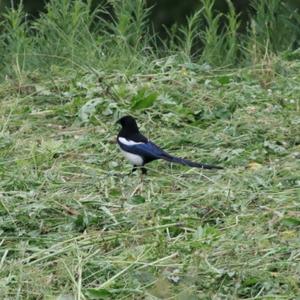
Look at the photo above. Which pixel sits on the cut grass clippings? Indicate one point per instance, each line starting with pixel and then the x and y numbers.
pixel 75 225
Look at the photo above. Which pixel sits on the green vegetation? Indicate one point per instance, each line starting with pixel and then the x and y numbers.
pixel 74 225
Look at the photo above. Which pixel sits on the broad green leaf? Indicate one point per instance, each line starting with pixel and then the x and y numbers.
pixel 99 294
pixel 143 99
pixel 290 221
pixel 250 281
pixel 138 199
pixel 223 80
pixel 89 109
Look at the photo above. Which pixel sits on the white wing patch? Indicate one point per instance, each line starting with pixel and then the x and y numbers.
pixel 133 158
pixel 128 142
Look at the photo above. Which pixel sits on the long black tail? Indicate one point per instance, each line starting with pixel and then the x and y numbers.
pixel 187 162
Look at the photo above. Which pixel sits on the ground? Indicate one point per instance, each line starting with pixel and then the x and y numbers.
pixel 75 225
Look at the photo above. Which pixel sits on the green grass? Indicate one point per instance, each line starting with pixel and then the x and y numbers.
pixel 71 35
pixel 74 224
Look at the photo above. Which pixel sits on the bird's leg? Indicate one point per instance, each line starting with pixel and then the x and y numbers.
pixel 144 172
pixel 134 168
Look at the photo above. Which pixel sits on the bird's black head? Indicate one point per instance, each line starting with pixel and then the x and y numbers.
pixel 128 123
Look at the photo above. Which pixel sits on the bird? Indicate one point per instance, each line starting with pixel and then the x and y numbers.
pixel 141 151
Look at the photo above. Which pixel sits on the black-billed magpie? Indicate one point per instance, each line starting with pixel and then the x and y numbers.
pixel 140 151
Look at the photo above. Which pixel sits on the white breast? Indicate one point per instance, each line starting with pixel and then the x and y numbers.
pixel 133 158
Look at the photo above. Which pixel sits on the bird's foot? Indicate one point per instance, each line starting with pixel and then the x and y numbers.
pixel 143 169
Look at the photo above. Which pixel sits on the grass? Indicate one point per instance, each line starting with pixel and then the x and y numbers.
pixel 75 225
